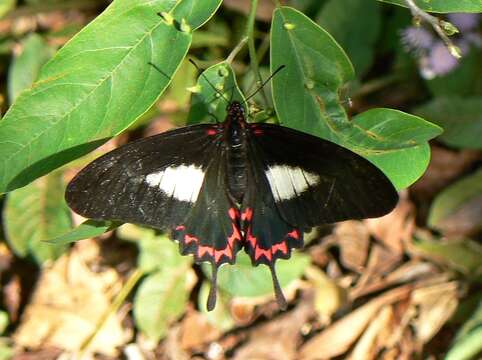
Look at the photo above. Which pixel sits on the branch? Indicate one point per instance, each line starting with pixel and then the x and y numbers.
pixel 441 27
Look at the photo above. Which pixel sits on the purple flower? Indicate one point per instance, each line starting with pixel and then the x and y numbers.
pixel 416 39
pixel 464 22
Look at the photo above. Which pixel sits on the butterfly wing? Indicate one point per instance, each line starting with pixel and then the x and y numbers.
pixel 153 181
pixel 174 181
pixel 315 181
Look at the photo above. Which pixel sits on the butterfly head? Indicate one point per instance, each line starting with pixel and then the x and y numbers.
pixel 236 111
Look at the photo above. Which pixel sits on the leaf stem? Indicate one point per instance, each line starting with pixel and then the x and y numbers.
pixel 114 307
pixel 236 50
pixel 252 48
pixel 436 23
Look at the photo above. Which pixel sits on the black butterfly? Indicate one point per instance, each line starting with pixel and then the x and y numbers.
pixel 221 187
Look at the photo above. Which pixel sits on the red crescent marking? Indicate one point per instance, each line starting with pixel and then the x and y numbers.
pixel 180 228
pixel 227 252
pixel 204 249
pixel 258 132
pixel 211 132
pixel 295 234
pixel 262 252
pixel 281 247
pixel 189 239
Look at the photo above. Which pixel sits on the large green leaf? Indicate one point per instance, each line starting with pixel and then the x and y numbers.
pixel 356 34
pixel 461 119
pixel 35 213
pixel 243 279
pixel 443 6
pixel 25 67
pixel 97 85
pixel 306 96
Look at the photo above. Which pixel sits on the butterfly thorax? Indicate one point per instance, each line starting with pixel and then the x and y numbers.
pixel 236 146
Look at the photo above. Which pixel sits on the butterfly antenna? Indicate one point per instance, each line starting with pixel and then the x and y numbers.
pixel 280 298
pixel 264 83
pixel 213 291
pixel 207 80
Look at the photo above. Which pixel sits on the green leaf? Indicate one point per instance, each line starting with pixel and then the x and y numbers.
pixel 161 298
pixel 460 254
pixel 6 6
pixel 460 201
pixel 25 67
pixel 245 280
pixel 460 117
pixel 88 229
pixel 356 34
pixel 215 89
pixel 96 85
pixel 443 6
pixel 35 213
pixel 468 342
pixel 306 96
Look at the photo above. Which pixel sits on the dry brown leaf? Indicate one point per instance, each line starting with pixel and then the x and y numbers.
pixel 367 347
pixel 340 336
pixel 435 304
pixel 394 229
pixel 196 331
pixel 353 239
pixel 278 338
pixel 67 304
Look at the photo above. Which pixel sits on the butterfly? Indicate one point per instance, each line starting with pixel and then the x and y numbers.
pixel 219 188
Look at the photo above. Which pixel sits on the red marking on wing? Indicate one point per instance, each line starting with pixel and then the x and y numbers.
pixel 211 132
pixel 233 213
pixel 295 234
pixel 247 215
pixel 204 249
pixel 228 251
pixel 235 236
pixel 258 252
pixel 180 228
pixel 189 239
pixel 280 247
pixel 258 132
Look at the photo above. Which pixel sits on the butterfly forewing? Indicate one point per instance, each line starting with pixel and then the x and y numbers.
pixel 315 182
pixel 154 181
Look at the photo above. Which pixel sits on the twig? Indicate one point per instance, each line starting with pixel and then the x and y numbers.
pixel 116 304
pixel 441 27
pixel 236 50
pixel 252 49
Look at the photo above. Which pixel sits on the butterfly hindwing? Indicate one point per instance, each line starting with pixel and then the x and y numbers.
pixel 315 182
pixel 153 181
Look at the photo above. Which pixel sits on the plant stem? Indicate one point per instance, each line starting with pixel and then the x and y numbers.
pixel 114 307
pixel 252 49
pixel 236 50
pixel 435 23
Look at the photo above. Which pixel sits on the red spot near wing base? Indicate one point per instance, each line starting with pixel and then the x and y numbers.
pixel 247 215
pixel 180 228
pixel 211 132
pixel 235 236
pixel 233 213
